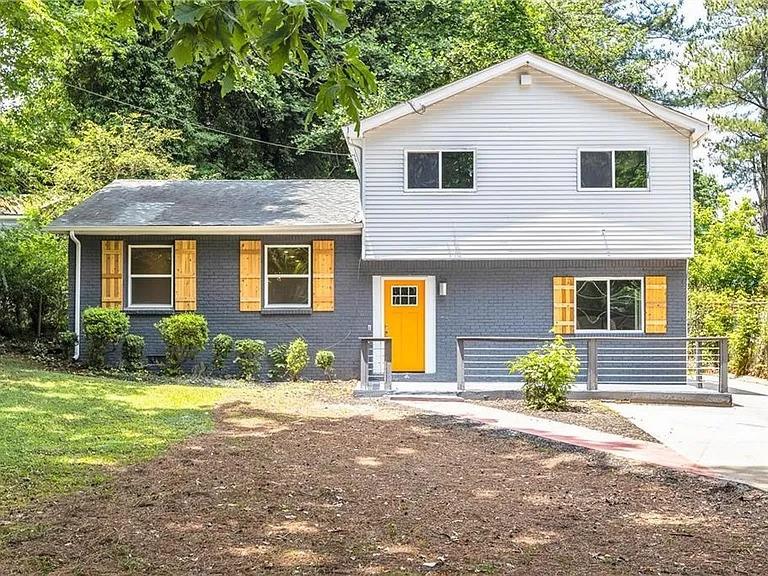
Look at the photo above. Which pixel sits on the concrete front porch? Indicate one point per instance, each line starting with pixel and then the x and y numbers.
pixel 636 393
pixel 657 370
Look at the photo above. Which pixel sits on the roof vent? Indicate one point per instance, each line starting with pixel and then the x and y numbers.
pixel 525 79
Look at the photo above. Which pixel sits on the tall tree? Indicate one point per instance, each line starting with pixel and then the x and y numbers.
pixel 728 71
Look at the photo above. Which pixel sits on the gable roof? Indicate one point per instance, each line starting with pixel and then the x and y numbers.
pixel 217 207
pixel 694 126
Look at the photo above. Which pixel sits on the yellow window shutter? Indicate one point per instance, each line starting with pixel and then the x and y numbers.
pixel 656 304
pixel 250 275
pixel 564 296
pixel 185 259
pixel 322 275
pixel 112 274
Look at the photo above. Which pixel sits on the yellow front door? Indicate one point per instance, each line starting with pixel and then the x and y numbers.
pixel 404 323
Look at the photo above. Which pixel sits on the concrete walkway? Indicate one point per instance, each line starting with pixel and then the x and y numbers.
pixel 647 452
pixel 733 442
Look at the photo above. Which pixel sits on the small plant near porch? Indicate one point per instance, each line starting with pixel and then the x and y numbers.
pixel 548 373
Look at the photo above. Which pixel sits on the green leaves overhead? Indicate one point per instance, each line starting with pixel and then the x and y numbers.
pixel 234 39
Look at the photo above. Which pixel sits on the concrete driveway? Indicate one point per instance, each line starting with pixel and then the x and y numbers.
pixel 732 441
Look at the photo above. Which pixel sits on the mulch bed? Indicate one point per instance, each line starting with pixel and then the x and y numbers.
pixel 371 491
pixel 589 413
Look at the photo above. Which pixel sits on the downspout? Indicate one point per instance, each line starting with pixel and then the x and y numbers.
pixel 361 173
pixel 76 355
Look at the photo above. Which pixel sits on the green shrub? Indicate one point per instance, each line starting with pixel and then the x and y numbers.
pixel 324 359
pixel 133 352
pixel 248 356
pixel 103 328
pixel 548 373
pixel 185 335
pixel 297 358
pixel 66 341
pixel 222 348
pixel 743 340
pixel 278 358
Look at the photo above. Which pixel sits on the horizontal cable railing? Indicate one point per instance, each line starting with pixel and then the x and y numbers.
pixel 604 360
pixel 375 363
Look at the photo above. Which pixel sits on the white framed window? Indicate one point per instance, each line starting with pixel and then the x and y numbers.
pixel 405 296
pixel 609 304
pixel 287 273
pixel 440 170
pixel 618 169
pixel 150 276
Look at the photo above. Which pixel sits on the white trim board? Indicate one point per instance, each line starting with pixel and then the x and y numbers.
pixel 696 128
pixel 430 318
pixel 339 230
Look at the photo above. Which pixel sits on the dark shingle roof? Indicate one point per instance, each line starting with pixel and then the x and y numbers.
pixel 140 203
pixel 11 205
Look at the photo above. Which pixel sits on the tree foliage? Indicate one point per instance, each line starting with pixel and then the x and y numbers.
pixel 126 147
pixel 728 71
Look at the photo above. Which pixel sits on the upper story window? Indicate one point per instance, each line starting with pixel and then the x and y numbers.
pixel 609 304
pixel 620 169
pixel 150 276
pixel 288 276
pixel 452 170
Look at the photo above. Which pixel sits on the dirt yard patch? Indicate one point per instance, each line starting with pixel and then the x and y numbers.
pixel 325 486
pixel 588 413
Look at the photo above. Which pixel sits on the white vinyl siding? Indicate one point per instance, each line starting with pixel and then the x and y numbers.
pixel 527 203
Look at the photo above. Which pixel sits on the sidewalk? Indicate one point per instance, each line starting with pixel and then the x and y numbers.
pixel 646 452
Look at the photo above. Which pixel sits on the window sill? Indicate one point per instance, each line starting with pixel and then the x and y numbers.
pixel 286 311
pixel 148 311
pixel 609 189
pixel 439 190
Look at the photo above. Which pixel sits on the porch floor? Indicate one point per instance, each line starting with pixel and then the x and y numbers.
pixel 639 393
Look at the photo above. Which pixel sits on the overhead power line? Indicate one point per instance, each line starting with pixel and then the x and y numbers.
pixel 203 126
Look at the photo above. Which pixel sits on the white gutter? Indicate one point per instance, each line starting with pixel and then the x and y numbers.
pixel 76 355
pixel 338 229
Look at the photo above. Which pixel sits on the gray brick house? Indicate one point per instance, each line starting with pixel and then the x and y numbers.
pixel 522 199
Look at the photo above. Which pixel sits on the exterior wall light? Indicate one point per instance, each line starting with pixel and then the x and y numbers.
pixel 442 288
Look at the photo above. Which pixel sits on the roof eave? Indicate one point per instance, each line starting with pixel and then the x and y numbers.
pixel 352 229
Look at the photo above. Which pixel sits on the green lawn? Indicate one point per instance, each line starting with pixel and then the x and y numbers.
pixel 60 432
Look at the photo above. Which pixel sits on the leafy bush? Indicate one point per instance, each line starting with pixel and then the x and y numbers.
pixel 324 359
pixel 222 348
pixel 248 356
pixel 133 352
pixel 297 358
pixel 744 340
pixel 278 358
pixel 33 281
pixel 548 373
pixel 185 335
pixel 103 328
pixel 66 341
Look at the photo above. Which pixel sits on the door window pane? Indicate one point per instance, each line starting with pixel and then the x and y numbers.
pixel 626 304
pixel 287 290
pixel 423 170
pixel 151 291
pixel 631 169
pixel 292 260
pixel 458 170
pixel 596 169
pixel 591 305
pixel 150 260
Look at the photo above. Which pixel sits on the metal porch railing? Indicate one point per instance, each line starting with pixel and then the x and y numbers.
pixel 376 363
pixel 604 360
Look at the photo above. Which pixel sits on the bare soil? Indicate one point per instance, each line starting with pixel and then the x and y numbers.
pixel 339 487
pixel 589 413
